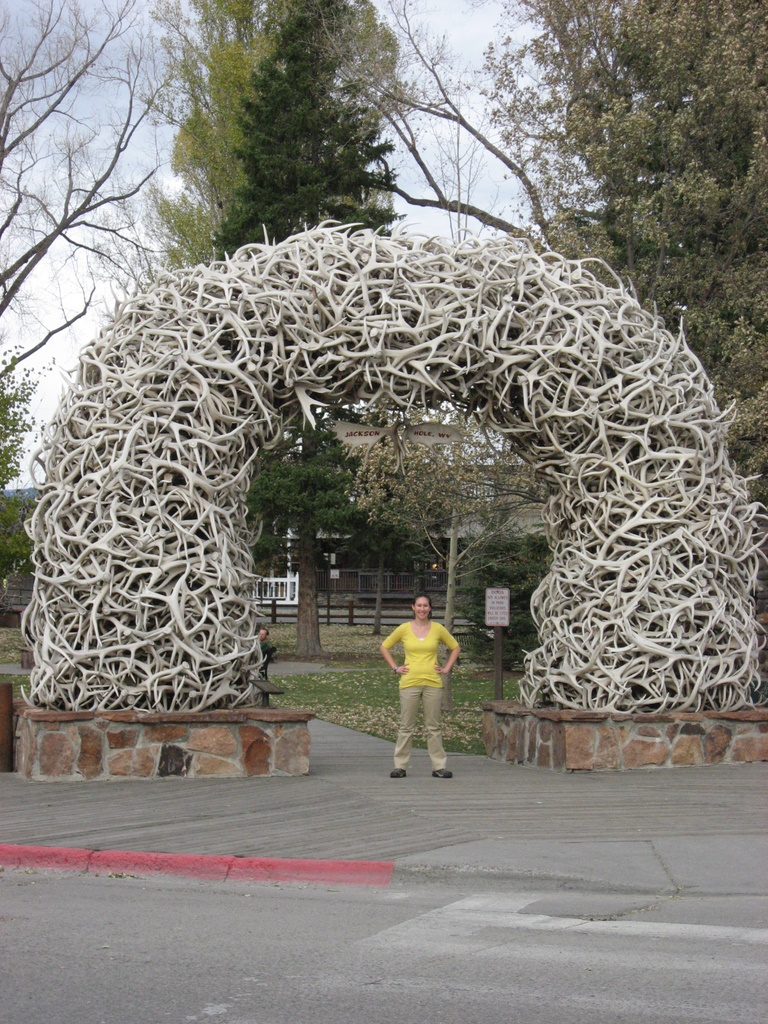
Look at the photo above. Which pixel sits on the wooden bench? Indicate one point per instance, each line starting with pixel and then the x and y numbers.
pixel 266 689
pixel 263 684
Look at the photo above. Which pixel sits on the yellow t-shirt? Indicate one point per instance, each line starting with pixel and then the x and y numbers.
pixel 420 655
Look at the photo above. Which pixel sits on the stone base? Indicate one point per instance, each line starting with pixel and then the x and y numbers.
pixel 615 741
pixel 66 746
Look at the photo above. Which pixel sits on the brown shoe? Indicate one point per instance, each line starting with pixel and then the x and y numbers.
pixel 397 773
pixel 442 773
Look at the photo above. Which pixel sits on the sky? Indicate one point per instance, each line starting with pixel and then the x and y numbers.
pixel 468 27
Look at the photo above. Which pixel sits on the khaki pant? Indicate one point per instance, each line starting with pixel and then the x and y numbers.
pixel 432 699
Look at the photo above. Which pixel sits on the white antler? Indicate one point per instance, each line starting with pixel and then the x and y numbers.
pixel 144 586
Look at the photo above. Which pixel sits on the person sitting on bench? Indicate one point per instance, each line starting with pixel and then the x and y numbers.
pixel 262 683
pixel 267 647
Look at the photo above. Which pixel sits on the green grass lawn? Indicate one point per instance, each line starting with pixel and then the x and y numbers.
pixel 343 645
pixel 10 646
pixel 367 700
pixel 364 695
pixel 356 690
pixel 10 654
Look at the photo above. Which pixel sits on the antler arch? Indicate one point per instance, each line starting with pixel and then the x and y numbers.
pixel 143 577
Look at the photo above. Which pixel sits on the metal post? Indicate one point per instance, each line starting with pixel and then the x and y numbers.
pixel 498 662
pixel 274 612
pixel 351 613
pixel 6 727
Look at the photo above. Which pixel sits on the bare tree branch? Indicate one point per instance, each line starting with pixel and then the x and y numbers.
pixel 455 206
pixel 427 88
pixel 76 92
pixel 9 367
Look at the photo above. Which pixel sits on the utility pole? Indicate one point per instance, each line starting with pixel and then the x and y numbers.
pixel 450 599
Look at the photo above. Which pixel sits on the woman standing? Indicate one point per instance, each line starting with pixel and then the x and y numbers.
pixel 420 681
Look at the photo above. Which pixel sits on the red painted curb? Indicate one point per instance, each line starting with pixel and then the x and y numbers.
pixel 63 858
pixel 346 872
pixel 133 862
pixel 203 866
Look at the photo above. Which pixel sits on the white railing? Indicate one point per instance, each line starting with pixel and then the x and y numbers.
pixel 282 589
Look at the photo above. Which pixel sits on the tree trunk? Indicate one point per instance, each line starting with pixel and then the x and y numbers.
pixel 307 620
pixel 379 597
pixel 450 589
pixel 450 600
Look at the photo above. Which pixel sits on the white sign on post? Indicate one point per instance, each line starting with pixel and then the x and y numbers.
pixel 497 606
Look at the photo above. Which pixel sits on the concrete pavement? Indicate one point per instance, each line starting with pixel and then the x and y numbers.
pixel 688 831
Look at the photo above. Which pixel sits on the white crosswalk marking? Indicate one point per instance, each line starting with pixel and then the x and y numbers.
pixel 465 922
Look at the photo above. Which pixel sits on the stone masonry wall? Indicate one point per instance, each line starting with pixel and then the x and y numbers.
pixel 68 746
pixel 605 741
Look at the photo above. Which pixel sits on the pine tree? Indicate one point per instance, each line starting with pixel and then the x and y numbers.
pixel 311 149
pixel 311 152
pixel 304 489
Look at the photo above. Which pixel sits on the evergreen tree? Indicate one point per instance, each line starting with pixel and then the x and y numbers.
pixel 311 149
pixel 16 390
pixel 15 546
pixel 304 489
pixel 647 124
pixel 310 152
pixel 519 561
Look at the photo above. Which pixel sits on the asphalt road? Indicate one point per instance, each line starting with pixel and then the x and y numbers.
pixel 517 896
pixel 99 950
